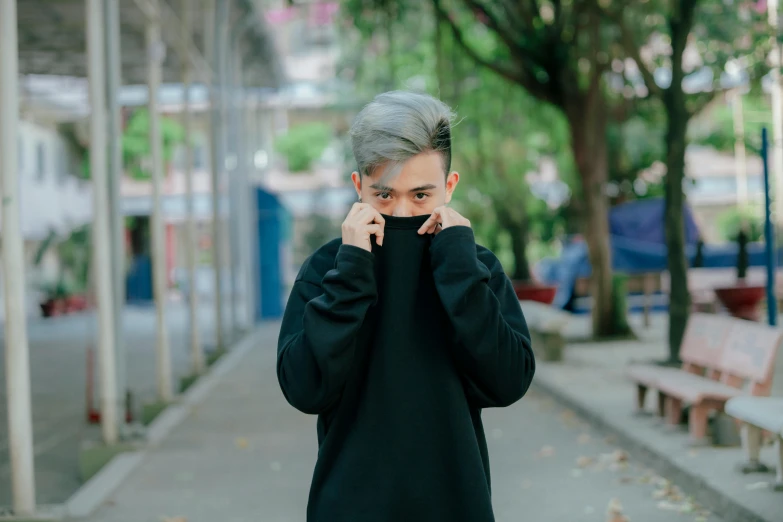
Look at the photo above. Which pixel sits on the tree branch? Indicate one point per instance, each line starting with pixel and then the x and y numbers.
pixel 493 23
pixel 632 50
pixel 521 76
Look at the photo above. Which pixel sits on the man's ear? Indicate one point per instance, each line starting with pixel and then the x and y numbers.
pixel 356 178
pixel 451 183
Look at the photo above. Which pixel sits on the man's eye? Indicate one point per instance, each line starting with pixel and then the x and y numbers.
pixel 421 196
pixel 383 195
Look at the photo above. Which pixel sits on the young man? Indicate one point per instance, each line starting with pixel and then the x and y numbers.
pixel 400 333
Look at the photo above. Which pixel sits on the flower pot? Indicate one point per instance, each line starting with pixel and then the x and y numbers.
pixel 743 302
pixel 527 291
pixel 48 308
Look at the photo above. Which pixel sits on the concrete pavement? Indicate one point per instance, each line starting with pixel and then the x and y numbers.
pixel 58 368
pixel 591 380
pixel 245 455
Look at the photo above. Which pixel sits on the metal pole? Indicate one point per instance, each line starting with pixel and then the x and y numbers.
pixel 196 353
pixel 769 236
pixel 156 52
pixel 100 233
pixel 17 358
pixel 234 180
pixel 114 178
pixel 218 159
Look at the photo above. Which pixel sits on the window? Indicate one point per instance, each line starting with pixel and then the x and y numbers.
pixel 40 161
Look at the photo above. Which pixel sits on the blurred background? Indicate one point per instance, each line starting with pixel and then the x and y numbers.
pixel 168 165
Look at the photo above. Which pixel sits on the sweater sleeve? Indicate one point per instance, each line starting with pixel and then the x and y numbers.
pixel 316 344
pixel 493 349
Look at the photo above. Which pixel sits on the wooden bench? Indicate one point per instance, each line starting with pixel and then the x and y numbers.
pixel 759 414
pixel 745 368
pixel 546 324
pixel 702 347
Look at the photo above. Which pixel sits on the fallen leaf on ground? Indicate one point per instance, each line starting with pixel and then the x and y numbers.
pixel 546 451
pixel 620 456
pixel 173 519
pixel 583 462
pixel 241 443
pixel 626 480
pixel 614 512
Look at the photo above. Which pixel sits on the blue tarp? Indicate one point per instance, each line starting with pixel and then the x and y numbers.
pixel 637 241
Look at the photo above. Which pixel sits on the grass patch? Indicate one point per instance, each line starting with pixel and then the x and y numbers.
pixel 150 411
pixel 187 381
pixel 212 357
pixel 93 459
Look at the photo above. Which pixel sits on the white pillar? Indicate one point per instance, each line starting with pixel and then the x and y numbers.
pixel 101 244
pixel 218 16
pixel 155 54
pixel 739 149
pixel 17 359
pixel 196 353
pixel 113 61
pixel 777 114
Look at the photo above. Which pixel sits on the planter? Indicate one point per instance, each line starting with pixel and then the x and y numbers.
pixel 527 291
pixel 75 303
pixel 743 302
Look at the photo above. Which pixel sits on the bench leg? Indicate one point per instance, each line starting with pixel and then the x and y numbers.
pixel 697 425
pixel 641 394
pixel 661 404
pixel 673 411
pixel 751 443
pixel 779 453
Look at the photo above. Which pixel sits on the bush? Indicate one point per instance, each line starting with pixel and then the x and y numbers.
pixel 303 145
pixel 730 221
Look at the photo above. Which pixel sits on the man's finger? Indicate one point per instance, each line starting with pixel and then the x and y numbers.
pixel 431 221
pixel 377 231
pixel 356 208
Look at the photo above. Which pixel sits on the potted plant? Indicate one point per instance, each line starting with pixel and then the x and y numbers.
pixel 742 300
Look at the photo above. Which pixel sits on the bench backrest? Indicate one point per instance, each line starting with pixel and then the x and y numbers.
pixel 749 355
pixel 704 341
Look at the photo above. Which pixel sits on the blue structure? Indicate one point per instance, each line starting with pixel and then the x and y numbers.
pixel 138 282
pixel 271 218
pixel 638 244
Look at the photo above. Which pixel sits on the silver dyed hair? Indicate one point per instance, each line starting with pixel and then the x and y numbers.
pixel 397 126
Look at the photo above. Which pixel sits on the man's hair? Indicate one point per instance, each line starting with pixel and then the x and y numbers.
pixel 398 125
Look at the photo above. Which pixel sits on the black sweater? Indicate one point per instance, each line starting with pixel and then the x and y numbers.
pixel 397 351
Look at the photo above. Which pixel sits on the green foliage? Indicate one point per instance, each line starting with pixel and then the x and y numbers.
pixel 304 144
pixel 731 221
pixel 717 131
pixel 136 144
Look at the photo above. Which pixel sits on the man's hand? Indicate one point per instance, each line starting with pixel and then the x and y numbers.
pixel 362 222
pixel 443 217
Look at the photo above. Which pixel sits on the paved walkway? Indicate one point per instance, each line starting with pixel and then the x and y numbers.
pixel 245 455
pixel 591 379
pixel 58 349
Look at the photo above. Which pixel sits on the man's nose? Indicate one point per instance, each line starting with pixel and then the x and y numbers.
pixel 402 210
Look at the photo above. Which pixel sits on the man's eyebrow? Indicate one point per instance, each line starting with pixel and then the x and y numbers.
pixel 423 188
pixel 379 186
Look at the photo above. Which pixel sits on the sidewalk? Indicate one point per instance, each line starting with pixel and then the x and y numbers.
pixel 221 462
pixel 591 380
pixel 244 455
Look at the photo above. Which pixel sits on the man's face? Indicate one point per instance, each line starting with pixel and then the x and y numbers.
pixel 417 190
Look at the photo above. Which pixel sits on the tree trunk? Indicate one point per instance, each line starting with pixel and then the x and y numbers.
pixel 677 125
pixel 518 230
pixel 587 118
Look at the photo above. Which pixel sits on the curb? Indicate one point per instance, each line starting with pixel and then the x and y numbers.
pixel 693 483
pixel 94 493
